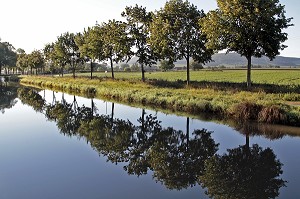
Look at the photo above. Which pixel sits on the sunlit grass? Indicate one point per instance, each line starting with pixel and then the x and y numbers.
pixel 191 100
pixel 259 76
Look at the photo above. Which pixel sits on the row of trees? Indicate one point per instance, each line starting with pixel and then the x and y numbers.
pixel 12 59
pixel 170 34
pixel 177 31
pixel 180 31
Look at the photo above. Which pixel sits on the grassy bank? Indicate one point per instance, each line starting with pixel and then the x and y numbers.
pixel 232 103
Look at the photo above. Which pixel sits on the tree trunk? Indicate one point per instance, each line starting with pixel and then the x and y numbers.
pixel 112 113
pixel 62 71
pixel 143 72
pixel 112 69
pixel 187 132
pixel 143 120
pixel 247 141
pixel 73 70
pixel 91 69
pixel 188 70
pixel 0 69
pixel 249 72
pixel 93 107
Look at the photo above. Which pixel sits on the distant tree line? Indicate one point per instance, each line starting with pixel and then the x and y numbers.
pixel 179 30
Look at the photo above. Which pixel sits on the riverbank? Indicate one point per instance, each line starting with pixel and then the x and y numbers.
pixel 238 104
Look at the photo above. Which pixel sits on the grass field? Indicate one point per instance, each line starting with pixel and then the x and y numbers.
pixel 259 76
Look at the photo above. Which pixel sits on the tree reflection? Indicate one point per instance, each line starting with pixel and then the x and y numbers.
pixel 68 116
pixel 32 98
pixel 8 95
pixel 178 159
pixel 245 172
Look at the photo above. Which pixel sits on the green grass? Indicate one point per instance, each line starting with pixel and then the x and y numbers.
pixel 259 76
pixel 176 97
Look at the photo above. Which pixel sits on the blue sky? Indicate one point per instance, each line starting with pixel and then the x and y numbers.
pixel 31 24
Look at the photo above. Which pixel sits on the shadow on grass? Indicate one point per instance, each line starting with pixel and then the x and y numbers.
pixel 267 88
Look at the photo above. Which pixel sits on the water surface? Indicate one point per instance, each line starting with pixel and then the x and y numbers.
pixel 55 145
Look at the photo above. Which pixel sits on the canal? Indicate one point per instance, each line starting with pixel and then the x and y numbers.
pixel 57 145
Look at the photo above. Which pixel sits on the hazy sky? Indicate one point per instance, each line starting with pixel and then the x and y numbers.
pixel 30 24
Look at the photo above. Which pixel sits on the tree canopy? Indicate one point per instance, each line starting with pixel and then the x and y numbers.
pixel 250 28
pixel 8 56
pixel 138 20
pixel 176 33
pixel 116 43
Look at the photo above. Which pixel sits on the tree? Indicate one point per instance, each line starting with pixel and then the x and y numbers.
pixel 90 45
pixel 165 65
pixel 8 56
pixel 116 43
pixel 196 65
pixel 50 57
pixel 176 34
pixel 21 60
pixel 250 28
pixel 138 20
pixel 67 51
pixel 35 60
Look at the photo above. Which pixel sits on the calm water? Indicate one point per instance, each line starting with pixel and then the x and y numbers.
pixel 55 145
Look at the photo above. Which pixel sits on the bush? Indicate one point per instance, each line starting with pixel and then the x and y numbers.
pixel 127 69
pixel 247 111
pixel 272 114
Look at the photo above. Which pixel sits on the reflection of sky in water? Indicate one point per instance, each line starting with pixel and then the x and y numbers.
pixel 38 162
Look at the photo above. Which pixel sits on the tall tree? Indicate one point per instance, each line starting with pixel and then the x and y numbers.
pixel 50 57
pixel 138 20
pixel 36 60
pixel 250 28
pixel 90 45
pixel 116 43
pixel 8 56
pixel 176 34
pixel 67 51
pixel 21 60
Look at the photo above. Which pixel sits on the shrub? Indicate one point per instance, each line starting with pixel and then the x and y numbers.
pixel 247 111
pixel 272 114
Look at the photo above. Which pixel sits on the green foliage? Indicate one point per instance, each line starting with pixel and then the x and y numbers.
pixel 67 51
pixel 196 65
pixel 250 28
pixel 243 173
pixel 166 65
pixel 176 34
pixel 8 95
pixel 135 67
pixel 34 60
pixel 127 69
pixel 8 56
pixel 138 20
pixel 116 43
